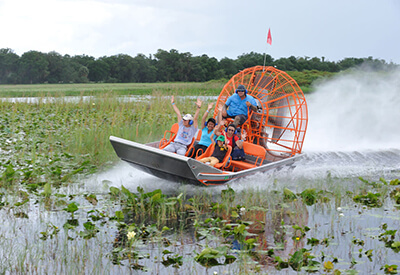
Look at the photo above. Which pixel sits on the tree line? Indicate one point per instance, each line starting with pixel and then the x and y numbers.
pixel 35 67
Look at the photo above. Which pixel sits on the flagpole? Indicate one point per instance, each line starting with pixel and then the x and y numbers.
pixel 265 55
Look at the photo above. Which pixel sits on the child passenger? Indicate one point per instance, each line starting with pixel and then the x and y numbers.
pixel 219 153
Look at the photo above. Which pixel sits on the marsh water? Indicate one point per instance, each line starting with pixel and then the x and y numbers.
pixel 353 132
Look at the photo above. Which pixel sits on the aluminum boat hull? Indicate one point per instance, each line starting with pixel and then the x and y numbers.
pixel 177 168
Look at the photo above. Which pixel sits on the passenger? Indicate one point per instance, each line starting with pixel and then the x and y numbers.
pixel 232 139
pixel 206 133
pixel 219 152
pixel 237 106
pixel 187 130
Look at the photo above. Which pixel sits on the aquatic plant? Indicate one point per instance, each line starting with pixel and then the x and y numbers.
pixel 369 199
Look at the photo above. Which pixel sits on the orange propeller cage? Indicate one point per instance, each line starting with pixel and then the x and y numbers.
pixel 281 121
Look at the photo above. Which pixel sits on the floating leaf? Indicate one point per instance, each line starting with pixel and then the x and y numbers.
pixel 370 199
pixel 71 208
pixel 119 216
pixel 175 261
pixel 289 194
pixel 114 191
pixel 395 182
pixel 71 223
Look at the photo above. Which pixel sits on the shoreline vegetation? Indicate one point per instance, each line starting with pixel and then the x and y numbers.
pixel 53 224
pixel 116 89
pixel 307 80
pixel 304 79
pixel 34 67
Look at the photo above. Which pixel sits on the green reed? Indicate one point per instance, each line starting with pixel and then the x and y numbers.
pixel 55 138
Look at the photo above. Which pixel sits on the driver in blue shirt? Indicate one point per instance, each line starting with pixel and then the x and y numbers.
pixel 237 105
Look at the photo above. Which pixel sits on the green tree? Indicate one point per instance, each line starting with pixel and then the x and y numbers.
pixel 198 71
pixel 166 62
pixel 349 63
pixel 33 67
pixel 228 66
pixel 112 62
pixel 286 64
pixel 210 66
pixel 69 73
pixel 126 68
pixel 55 67
pixel 121 68
pixel 173 66
pixel 252 59
pixel 99 70
pixel 83 59
pixel 146 71
pixel 83 73
pixel 8 66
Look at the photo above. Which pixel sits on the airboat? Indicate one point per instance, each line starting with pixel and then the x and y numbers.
pixel 275 134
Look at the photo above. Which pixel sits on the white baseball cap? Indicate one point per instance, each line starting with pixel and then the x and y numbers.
pixel 187 117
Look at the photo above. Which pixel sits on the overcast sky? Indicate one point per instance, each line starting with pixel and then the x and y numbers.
pixel 219 28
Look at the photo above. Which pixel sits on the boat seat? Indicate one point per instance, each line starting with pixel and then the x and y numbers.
pixel 210 150
pixel 250 149
pixel 198 137
pixel 169 136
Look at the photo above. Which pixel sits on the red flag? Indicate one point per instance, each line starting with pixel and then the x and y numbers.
pixel 269 37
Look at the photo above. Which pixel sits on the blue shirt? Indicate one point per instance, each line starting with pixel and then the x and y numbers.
pixel 237 106
pixel 205 137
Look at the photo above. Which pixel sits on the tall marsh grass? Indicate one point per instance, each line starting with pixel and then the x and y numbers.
pixel 52 141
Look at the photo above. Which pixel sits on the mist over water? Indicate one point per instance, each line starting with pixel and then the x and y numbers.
pixel 353 131
pixel 355 112
pixel 354 127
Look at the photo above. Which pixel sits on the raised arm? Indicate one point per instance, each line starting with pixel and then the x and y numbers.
pixel 220 120
pixel 196 115
pixel 178 113
pixel 212 138
pixel 203 119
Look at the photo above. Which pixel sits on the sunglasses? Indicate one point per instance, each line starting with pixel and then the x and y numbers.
pixel 231 130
